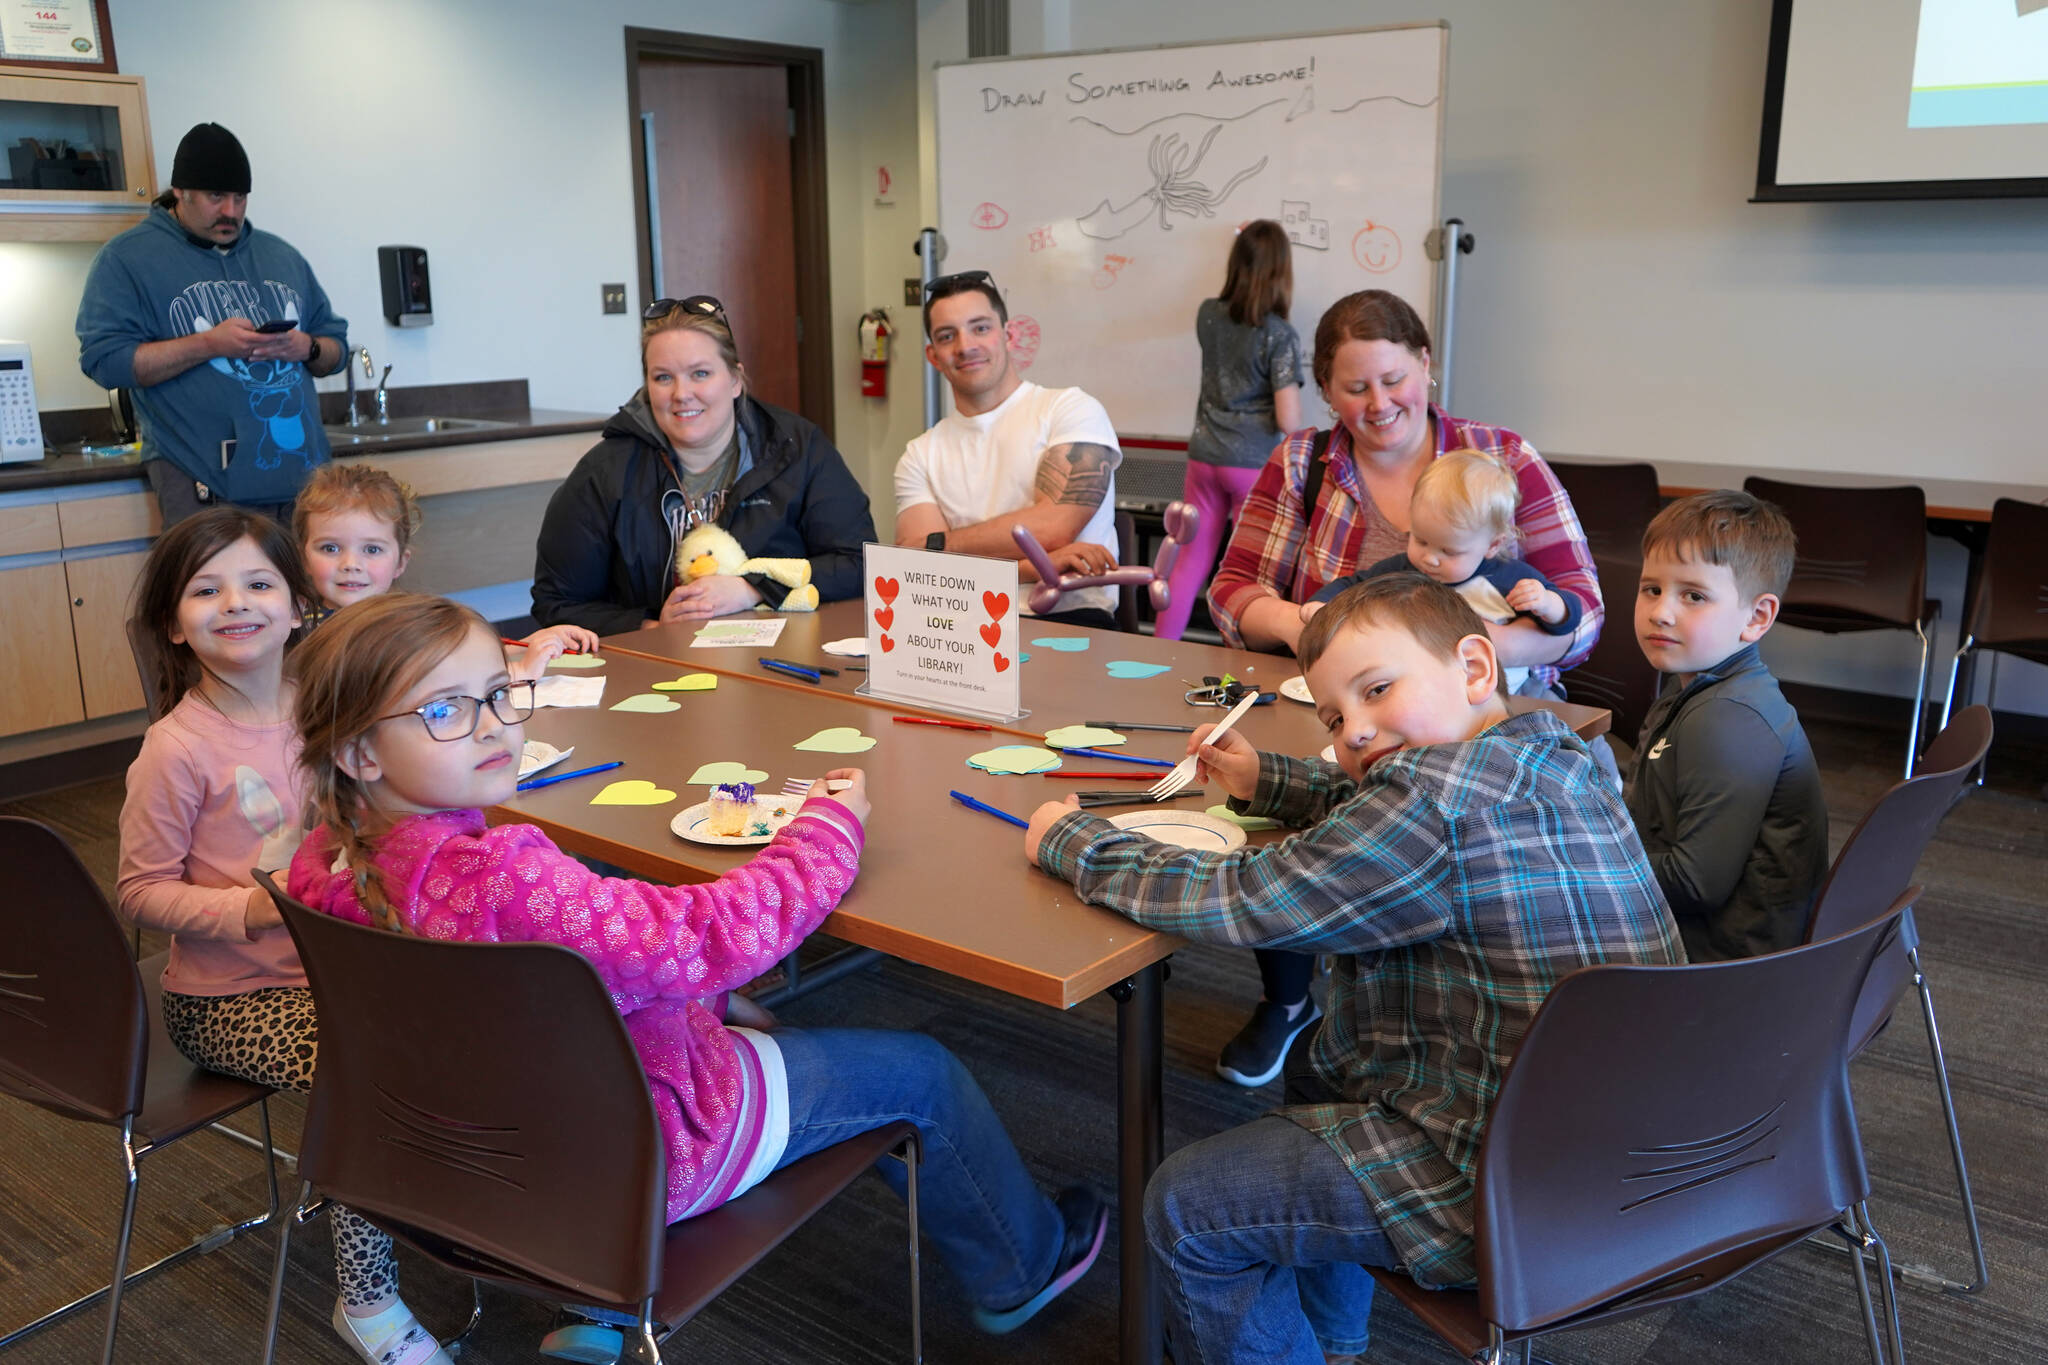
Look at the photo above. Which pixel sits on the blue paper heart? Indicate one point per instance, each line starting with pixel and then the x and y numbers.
pixel 1065 644
pixel 1131 668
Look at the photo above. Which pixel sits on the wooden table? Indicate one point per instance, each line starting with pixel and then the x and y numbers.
pixel 940 885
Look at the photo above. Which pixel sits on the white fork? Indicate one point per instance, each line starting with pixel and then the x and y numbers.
pixel 1169 786
pixel 801 786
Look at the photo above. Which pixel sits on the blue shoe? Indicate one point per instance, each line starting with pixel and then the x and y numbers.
pixel 1087 1223
pixel 589 1342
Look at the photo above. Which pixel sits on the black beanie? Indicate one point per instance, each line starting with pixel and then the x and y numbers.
pixel 210 158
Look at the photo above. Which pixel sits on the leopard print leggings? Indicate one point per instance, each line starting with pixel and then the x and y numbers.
pixel 272 1038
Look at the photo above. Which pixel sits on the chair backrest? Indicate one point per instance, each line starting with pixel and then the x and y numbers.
pixel 1616 675
pixel 1876 862
pixel 1126 552
pixel 2011 611
pixel 1657 1118
pixel 1862 558
pixel 1615 503
pixel 486 1095
pixel 73 1027
pixel 152 695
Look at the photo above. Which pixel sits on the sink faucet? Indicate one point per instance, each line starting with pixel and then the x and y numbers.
pixel 384 399
pixel 355 416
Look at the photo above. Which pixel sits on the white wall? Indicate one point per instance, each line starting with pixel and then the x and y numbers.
pixel 1626 299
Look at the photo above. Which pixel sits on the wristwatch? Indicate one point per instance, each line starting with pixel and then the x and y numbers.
pixel 313 351
pixel 935 541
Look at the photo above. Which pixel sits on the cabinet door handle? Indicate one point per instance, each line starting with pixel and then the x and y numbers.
pixel 78 601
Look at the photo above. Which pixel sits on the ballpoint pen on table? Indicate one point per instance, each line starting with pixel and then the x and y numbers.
pixel 1138 725
pixel 793 670
pixel 934 720
pixel 550 781
pixel 1121 758
pixel 964 799
pixel 1090 800
pixel 809 668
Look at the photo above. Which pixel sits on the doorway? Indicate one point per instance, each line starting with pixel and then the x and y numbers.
pixel 728 193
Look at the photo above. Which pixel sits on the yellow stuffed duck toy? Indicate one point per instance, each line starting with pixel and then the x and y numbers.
pixel 709 550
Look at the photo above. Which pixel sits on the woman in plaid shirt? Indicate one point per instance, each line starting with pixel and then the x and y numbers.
pixel 1372 366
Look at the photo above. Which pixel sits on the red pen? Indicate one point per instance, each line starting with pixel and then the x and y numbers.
pixel 934 720
pixel 1105 777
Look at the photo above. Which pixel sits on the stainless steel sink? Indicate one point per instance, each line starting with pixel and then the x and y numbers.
pixel 373 431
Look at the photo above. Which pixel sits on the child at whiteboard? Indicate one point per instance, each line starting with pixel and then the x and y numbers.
pixel 1250 398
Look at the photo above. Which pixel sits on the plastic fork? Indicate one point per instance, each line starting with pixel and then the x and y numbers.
pixel 1169 786
pixel 801 786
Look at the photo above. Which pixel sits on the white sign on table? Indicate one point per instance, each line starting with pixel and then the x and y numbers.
pixel 942 631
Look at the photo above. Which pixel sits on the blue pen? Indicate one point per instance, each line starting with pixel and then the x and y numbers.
pixel 1120 758
pixel 794 670
pixel 964 799
pixel 550 781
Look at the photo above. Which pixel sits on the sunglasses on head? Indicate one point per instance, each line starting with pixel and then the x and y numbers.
pixel 946 284
pixel 703 305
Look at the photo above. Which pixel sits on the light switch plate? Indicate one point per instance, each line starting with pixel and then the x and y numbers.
pixel 614 297
pixel 911 291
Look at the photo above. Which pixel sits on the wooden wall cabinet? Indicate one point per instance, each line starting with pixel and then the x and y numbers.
pixel 73 199
pixel 38 671
pixel 100 591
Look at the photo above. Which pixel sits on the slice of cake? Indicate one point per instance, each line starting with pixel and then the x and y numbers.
pixel 734 811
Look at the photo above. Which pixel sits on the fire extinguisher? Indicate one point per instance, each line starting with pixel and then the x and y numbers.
pixel 874 353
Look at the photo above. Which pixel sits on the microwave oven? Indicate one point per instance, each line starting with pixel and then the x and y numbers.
pixel 21 427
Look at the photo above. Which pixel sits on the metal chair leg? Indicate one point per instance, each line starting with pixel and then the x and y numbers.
pixel 290 1159
pixel 643 1345
pixel 120 1280
pixel 1887 1289
pixel 1955 1142
pixel 453 1346
pixel 284 1238
pixel 1852 1239
pixel 1920 689
pixel 913 1157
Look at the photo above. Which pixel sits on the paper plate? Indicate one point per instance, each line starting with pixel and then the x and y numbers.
pixel 854 647
pixel 1296 689
pixel 1187 828
pixel 690 824
pixel 539 754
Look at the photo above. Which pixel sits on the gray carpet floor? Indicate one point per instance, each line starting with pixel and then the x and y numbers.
pixel 835 1292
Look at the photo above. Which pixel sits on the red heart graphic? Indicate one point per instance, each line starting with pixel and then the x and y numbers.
pixel 997 603
pixel 887 644
pixel 992 633
pixel 885 617
pixel 887 588
pixel 1002 664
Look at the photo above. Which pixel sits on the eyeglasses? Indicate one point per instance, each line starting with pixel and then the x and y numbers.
pixel 702 304
pixel 451 718
pixel 948 284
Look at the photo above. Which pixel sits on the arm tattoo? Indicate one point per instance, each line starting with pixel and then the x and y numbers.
pixel 1076 475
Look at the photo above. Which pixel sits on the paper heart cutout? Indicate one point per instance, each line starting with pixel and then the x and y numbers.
pixel 652 702
pixel 576 661
pixel 1002 664
pixel 1065 644
pixel 634 791
pixel 885 617
pixel 991 634
pixel 840 739
pixel 1250 822
pixel 1083 737
pixel 689 682
pixel 997 603
pixel 1132 668
pixel 887 588
pixel 887 644
pixel 1015 758
pixel 711 774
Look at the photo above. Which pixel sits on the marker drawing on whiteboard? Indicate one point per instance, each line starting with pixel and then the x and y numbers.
pixel 1112 266
pixel 1024 339
pixel 1369 99
pixel 988 216
pixel 1376 248
pixel 1302 229
pixel 1163 118
pixel 1304 105
pixel 1174 189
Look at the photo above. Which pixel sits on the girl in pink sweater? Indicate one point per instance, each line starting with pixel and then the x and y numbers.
pixel 412 727
pixel 215 792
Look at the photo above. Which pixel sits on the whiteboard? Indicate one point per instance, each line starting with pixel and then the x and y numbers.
pixel 1102 191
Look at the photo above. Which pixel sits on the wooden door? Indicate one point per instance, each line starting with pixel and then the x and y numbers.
pixel 38 671
pixel 100 590
pixel 720 191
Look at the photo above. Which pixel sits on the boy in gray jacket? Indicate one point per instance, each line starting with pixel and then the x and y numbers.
pixel 1723 788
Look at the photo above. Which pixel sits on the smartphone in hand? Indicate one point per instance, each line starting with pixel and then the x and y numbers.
pixel 280 325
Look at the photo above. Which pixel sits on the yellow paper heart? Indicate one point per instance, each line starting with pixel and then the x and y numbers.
pixel 634 791
pixel 689 682
pixel 840 739
pixel 649 702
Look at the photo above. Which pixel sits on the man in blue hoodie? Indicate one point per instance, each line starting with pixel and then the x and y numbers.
pixel 218 330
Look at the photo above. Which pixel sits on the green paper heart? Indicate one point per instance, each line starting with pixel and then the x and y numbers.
pixel 1015 759
pixel 712 774
pixel 689 682
pixel 633 791
pixel 1132 668
pixel 1082 737
pixel 576 661
pixel 1252 822
pixel 648 701
pixel 840 739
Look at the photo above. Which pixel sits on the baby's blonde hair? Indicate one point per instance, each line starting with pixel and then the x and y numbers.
pixel 1473 491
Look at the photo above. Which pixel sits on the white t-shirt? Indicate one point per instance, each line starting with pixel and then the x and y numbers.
pixel 974 468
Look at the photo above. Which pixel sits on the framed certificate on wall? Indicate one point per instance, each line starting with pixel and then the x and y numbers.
pixel 72 35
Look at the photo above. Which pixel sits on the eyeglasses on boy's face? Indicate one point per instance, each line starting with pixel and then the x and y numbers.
pixel 947 284
pixel 451 718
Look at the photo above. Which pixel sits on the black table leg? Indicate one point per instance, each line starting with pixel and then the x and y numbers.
pixel 1141 1144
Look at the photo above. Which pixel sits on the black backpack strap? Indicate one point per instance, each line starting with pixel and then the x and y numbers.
pixel 1312 485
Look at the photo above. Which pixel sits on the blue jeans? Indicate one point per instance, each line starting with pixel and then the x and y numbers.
pixel 981 1210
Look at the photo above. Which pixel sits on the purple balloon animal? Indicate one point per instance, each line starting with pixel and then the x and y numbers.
pixel 1180 519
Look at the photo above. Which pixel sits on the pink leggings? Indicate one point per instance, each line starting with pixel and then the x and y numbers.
pixel 1217 492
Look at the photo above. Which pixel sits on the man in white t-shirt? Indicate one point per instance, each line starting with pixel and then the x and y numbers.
pixel 1012 453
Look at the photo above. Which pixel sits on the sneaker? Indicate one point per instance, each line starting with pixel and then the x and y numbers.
pixel 392 1337
pixel 1087 1222
pixel 1257 1053
pixel 593 1343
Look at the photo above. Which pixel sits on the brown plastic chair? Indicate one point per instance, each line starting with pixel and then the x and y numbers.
pixel 1615 503
pixel 1868 879
pixel 483 1103
pixel 2008 610
pixel 1127 552
pixel 1616 675
pixel 82 1035
pixel 1862 565
pixel 1660 1131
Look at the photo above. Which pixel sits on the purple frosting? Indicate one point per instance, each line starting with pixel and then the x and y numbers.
pixel 741 792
